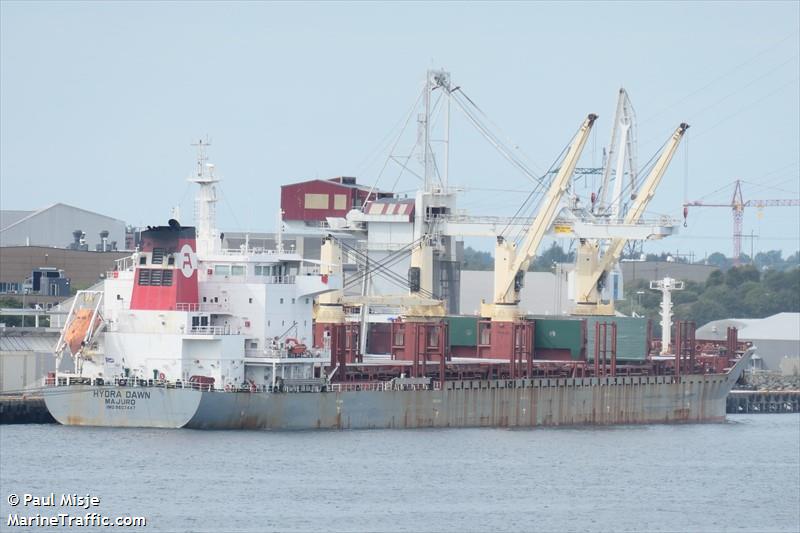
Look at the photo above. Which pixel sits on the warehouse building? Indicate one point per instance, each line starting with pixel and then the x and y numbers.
pixel 54 226
pixel 26 356
pixel 315 200
pixel 543 293
pixel 19 264
pixel 776 338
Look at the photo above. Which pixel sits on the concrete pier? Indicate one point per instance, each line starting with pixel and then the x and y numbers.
pixel 763 401
pixel 24 410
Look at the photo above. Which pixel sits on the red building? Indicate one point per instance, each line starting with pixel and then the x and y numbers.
pixel 317 199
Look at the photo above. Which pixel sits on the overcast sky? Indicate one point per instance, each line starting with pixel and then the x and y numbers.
pixel 99 102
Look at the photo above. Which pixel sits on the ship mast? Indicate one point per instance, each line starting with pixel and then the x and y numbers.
pixel 666 286
pixel 205 202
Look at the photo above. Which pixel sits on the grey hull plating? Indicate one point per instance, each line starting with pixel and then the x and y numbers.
pixel 518 403
pixel 498 403
pixel 84 405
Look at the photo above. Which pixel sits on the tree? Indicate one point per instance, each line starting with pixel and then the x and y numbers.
pixel 770 259
pixel 718 260
pixel 554 254
pixel 738 275
pixel 664 256
pixel 722 295
pixel 715 278
pixel 793 260
pixel 704 311
pixel 477 260
pixel 11 303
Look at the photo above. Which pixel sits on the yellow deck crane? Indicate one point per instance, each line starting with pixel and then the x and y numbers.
pixel 591 270
pixel 510 262
pixel 333 334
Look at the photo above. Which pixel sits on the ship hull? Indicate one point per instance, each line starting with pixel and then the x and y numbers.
pixel 85 405
pixel 495 403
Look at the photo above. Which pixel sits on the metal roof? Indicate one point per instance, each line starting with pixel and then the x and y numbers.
pixel 11 341
pixel 390 206
pixel 14 217
pixel 783 326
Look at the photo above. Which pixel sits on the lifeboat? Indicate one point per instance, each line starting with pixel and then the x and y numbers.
pixel 77 328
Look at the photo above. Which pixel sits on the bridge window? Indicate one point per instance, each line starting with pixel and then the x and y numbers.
pixel 237 270
pixel 222 270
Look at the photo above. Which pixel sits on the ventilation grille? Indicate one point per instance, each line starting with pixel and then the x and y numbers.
pixel 154 277
pixel 158 256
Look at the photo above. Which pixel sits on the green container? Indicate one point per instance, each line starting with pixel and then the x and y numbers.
pixel 463 330
pixel 559 334
pixel 631 337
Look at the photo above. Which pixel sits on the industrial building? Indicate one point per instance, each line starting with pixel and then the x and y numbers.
pixel 315 200
pixel 544 293
pixel 56 225
pixel 18 264
pixel 376 225
pixel 26 355
pixel 776 337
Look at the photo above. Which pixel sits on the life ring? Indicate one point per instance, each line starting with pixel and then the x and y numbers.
pixel 161 376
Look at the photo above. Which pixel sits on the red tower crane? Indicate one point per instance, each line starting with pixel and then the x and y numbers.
pixel 737 205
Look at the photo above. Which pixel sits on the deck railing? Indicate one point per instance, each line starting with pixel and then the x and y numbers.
pixel 209 330
pixel 203 307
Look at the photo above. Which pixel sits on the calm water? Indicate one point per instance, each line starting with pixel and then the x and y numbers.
pixel 743 475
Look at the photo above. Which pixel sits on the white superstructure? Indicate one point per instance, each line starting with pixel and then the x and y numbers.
pixel 184 309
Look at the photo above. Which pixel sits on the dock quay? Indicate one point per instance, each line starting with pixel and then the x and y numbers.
pixel 24 410
pixel 763 401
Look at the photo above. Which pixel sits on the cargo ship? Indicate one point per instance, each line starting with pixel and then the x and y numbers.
pixel 183 335
pixel 186 333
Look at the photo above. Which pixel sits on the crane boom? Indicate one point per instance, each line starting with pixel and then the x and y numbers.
pixel 737 205
pixel 510 261
pixel 645 194
pixel 623 140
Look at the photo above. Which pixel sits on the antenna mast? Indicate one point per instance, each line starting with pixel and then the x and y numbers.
pixel 205 201
pixel 666 286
